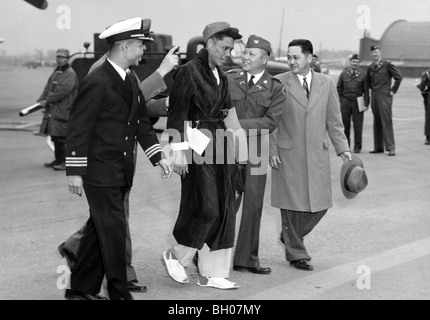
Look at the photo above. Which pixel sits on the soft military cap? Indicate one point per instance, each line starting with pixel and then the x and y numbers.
pixel 135 28
pixel 375 47
pixel 354 57
pixel 258 42
pixel 63 53
pixel 218 27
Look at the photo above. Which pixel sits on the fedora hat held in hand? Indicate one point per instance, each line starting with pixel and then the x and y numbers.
pixel 353 178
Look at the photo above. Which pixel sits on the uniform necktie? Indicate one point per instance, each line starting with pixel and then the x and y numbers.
pixel 251 82
pixel 128 90
pixel 306 87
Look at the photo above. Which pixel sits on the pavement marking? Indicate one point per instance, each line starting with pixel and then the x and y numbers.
pixel 315 284
pixel 410 119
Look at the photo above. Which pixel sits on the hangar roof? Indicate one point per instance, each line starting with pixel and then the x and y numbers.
pixel 405 40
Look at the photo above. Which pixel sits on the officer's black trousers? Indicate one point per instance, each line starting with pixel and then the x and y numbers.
pixel 60 148
pixel 349 109
pixel 102 248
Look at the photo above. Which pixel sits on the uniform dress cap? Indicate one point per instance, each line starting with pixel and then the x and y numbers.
pixel 353 178
pixel 354 57
pixel 135 28
pixel 63 52
pixel 374 47
pixel 218 27
pixel 258 42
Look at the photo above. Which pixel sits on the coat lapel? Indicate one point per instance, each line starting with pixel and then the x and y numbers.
pixel 262 83
pixel 117 82
pixel 296 90
pixel 316 90
pixel 240 80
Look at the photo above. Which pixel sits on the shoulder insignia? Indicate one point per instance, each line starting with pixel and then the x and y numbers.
pixel 284 90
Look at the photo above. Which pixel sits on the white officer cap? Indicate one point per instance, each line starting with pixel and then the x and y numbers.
pixel 135 28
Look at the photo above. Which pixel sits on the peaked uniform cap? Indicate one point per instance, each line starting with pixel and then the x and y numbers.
pixel 135 28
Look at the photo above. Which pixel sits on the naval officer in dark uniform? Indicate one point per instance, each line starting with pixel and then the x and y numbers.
pixel 150 87
pixel 259 101
pixel 379 79
pixel 108 117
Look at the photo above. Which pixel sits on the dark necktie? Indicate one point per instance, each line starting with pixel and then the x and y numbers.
pixel 128 90
pixel 251 82
pixel 306 87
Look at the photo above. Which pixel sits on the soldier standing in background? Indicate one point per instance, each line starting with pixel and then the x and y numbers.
pixel 57 99
pixel 424 87
pixel 350 86
pixel 378 78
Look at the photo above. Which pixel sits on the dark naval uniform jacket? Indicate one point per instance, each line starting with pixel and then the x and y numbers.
pixel 104 129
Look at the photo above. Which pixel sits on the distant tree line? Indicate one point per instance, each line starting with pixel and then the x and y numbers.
pixel 31 60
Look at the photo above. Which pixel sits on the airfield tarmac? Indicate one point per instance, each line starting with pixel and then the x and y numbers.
pixel 374 247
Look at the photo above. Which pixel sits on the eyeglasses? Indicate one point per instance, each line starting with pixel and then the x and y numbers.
pixel 61 57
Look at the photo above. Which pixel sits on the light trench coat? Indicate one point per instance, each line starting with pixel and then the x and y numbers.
pixel 303 180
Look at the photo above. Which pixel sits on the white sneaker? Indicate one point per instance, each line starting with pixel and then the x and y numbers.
pixel 219 283
pixel 175 270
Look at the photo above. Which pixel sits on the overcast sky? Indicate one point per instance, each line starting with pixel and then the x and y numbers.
pixel 330 24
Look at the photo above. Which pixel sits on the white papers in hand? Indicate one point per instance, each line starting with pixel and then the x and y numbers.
pixel 197 140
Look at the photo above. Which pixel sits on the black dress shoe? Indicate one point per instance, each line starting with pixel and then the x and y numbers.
pixel 357 150
pixel 69 256
pixel 51 164
pixel 135 286
pixel 377 151
pixel 257 270
pixel 77 295
pixel 391 153
pixel 282 240
pixel 301 264
pixel 59 167
pixel 427 140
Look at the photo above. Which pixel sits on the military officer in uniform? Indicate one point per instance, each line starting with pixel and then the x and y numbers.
pixel 424 86
pixel 259 101
pixel 379 79
pixel 108 118
pixel 350 86
pixel 150 87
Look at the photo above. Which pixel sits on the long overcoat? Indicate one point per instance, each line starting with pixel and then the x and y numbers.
pixel 207 211
pixel 303 181
pixel 59 93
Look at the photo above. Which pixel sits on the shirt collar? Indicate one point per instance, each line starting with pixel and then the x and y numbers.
pixel 257 77
pixel 122 73
pixel 308 78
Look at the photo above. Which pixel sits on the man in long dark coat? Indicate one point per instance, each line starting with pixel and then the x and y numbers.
pixel 206 220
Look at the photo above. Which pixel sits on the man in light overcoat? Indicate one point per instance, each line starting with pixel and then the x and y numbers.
pixel 299 151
